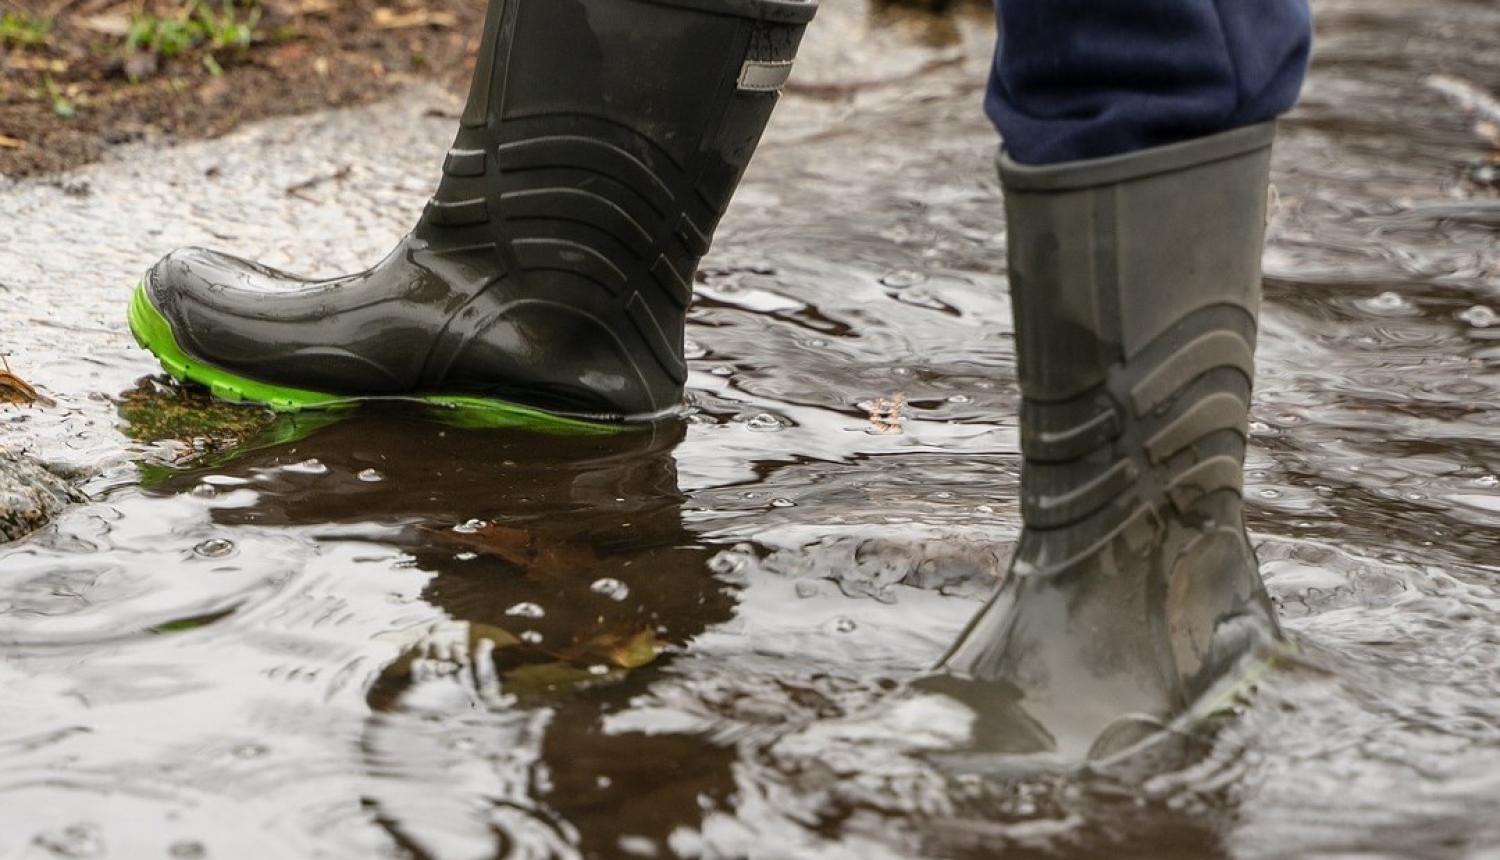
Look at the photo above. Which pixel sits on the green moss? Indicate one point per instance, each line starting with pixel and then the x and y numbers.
pixel 153 411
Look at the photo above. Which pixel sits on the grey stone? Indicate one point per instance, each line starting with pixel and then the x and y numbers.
pixel 29 495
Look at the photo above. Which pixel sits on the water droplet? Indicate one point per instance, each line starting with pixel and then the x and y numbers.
pixel 783 503
pixel 1479 316
pixel 531 637
pixel 526 610
pixel 598 669
pixel 310 466
pixel 370 476
pixel 470 527
pixel 214 548
pixel 75 840
pixel 610 587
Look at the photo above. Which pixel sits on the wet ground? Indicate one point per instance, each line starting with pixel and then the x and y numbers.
pixel 383 636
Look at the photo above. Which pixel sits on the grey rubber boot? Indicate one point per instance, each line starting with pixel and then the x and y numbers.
pixel 1135 282
pixel 551 270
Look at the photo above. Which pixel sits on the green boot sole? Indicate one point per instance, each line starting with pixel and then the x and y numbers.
pixel 153 333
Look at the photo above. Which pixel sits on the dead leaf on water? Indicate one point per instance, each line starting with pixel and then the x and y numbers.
pixel 624 650
pixel 539 556
pixel 538 680
pixel 886 415
pixel 14 389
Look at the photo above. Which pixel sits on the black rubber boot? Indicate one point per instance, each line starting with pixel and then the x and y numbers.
pixel 600 145
pixel 1134 591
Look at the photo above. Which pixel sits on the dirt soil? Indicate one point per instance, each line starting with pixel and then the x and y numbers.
pixel 77 76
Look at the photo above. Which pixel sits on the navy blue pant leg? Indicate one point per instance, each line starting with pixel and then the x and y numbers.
pixel 1077 79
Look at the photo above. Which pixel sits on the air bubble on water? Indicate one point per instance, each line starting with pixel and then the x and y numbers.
pixel 465 556
pixel 692 350
pixel 470 527
pixel 1487 481
pixel 598 669
pixel 610 587
pixel 765 422
pixel 783 503
pixel 960 398
pixel 721 370
pixel 730 560
pixel 531 637
pixel 1388 303
pixel 310 466
pixel 902 278
pixel 75 840
pixel 844 625
pixel 370 476
pixel 807 588
pixel 248 751
pixel 204 491
pixel 1479 316
pixel 526 610
pixel 214 548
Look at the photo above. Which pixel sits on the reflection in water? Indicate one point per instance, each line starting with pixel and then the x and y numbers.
pixel 565 576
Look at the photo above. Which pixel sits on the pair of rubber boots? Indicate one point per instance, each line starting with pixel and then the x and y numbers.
pixel 548 279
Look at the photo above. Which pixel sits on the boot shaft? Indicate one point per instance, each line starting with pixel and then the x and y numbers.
pixel 600 145
pixel 1135 283
pixel 625 124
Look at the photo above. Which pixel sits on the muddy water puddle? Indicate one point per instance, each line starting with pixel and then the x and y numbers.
pixel 385 636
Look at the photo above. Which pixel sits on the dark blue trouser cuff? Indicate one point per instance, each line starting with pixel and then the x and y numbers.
pixel 1076 79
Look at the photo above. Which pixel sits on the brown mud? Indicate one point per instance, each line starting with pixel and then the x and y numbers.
pixel 73 83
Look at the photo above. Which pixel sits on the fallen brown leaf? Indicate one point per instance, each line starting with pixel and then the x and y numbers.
pixel 389 19
pixel 14 389
pixel 36 64
pixel 539 556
